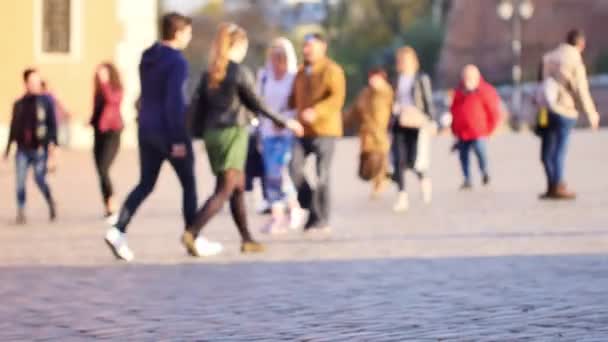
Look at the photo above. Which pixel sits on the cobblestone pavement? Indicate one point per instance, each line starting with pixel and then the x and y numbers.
pixel 490 265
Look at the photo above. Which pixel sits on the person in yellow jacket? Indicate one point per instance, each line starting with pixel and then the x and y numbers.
pixel 317 98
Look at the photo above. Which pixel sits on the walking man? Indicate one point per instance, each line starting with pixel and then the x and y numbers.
pixel 162 127
pixel 564 69
pixel 318 97
pixel 34 130
pixel 475 111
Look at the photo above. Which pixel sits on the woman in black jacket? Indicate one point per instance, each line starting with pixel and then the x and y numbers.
pixel 223 98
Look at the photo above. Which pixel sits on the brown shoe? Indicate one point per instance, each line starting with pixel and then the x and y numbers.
pixel 562 193
pixel 549 194
pixel 188 242
pixel 252 247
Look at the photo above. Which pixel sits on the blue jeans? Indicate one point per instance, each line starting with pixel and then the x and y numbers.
pixel 37 159
pixel 554 146
pixel 479 147
pixel 276 153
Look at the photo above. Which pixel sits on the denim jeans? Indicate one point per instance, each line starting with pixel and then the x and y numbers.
pixel 276 152
pixel 317 198
pixel 479 148
pixel 554 147
pixel 37 159
pixel 152 155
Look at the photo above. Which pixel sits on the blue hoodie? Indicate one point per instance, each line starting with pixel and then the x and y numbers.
pixel 163 73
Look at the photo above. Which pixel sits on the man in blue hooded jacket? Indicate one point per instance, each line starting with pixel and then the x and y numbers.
pixel 162 127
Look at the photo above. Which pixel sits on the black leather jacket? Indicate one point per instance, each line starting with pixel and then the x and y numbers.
pixel 229 104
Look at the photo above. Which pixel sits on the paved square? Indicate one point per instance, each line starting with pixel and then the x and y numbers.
pixel 494 264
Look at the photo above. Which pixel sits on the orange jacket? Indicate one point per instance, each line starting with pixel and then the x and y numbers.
pixel 323 89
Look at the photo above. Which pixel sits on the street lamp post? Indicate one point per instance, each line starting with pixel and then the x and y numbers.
pixel 516 11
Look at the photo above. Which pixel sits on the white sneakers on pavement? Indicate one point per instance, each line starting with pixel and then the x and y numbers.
pixel 426 186
pixel 403 203
pixel 117 242
pixel 297 218
pixel 200 246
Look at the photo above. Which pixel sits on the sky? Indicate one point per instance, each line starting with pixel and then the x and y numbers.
pixel 184 6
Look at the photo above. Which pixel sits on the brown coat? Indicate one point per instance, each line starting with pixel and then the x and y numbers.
pixel 324 91
pixel 372 110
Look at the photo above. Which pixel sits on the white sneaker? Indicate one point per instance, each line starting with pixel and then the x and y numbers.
pixel 426 186
pixel 402 204
pixel 112 219
pixel 263 207
pixel 297 218
pixel 205 248
pixel 117 242
pixel 274 227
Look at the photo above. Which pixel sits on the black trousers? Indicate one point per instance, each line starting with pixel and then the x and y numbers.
pixel 152 155
pixel 404 153
pixel 254 168
pixel 105 149
pixel 317 199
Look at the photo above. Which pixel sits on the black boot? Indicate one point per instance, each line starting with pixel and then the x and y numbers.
pixel 21 220
pixel 52 211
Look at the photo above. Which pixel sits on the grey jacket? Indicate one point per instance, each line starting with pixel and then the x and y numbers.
pixel 422 93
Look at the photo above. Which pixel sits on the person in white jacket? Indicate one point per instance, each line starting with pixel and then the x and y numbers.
pixel 566 94
pixel 275 83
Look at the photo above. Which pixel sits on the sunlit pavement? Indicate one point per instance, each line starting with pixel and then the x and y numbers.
pixel 492 264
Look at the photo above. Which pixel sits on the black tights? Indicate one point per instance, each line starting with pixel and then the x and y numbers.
pixel 230 186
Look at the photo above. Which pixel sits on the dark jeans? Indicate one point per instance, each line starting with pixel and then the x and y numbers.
pixel 254 168
pixel 152 154
pixel 479 148
pixel 37 159
pixel 554 146
pixel 404 153
pixel 316 199
pixel 105 150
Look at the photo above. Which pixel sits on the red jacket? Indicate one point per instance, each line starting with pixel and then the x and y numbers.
pixel 110 118
pixel 475 114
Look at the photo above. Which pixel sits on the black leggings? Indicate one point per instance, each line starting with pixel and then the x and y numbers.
pixel 404 153
pixel 105 151
pixel 230 186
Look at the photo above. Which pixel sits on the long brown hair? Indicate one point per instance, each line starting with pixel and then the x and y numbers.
pixel 115 81
pixel 228 34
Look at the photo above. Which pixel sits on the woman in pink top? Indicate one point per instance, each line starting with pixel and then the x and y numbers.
pixel 107 124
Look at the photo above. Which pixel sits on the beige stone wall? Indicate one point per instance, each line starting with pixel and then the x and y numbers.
pixel 106 30
pixel 69 77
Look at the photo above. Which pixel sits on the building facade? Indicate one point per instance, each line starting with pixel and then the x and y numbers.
pixel 66 40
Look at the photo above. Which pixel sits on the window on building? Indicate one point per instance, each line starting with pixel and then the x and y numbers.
pixel 56 26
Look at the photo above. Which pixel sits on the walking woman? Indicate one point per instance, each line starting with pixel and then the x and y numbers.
pixel 372 111
pixel 275 85
pixel 224 96
pixel 413 111
pixel 107 125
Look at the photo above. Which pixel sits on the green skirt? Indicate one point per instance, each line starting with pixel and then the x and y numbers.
pixel 226 148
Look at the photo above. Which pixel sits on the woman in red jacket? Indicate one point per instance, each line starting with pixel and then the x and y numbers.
pixel 107 124
pixel 475 111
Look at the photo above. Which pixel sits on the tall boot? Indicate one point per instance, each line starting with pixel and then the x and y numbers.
pixel 52 210
pixel 21 219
